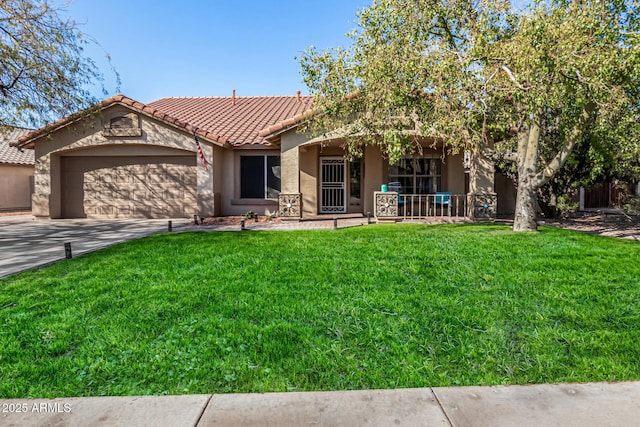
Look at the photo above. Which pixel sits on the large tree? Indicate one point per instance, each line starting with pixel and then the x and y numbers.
pixel 522 86
pixel 44 72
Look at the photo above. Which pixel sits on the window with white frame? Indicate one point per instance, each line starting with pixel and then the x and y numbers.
pixel 420 175
pixel 259 177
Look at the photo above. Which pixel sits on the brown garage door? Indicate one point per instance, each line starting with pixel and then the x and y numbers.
pixel 128 187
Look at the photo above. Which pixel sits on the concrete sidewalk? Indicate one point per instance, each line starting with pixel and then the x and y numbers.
pixel 589 404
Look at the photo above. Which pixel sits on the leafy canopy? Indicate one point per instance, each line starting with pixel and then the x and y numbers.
pixel 44 73
pixel 468 72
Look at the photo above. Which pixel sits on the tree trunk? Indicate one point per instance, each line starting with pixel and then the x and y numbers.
pixel 529 179
pixel 527 195
pixel 526 207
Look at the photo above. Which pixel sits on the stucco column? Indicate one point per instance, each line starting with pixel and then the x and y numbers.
pixel 290 166
pixel 205 196
pixel 42 184
pixel 483 202
pixel 290 199
pixel 372 176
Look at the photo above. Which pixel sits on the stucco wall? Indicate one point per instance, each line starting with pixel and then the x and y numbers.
pixel 86 139
pixel 231 202
pixel 290 160
pixel 482 174
pixel 16 187
pixel 309 179
pixel 506 191
pixel 453 169
pixel 374 169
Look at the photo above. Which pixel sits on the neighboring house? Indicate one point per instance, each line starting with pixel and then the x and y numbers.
pixel 16 172
pixel 127 159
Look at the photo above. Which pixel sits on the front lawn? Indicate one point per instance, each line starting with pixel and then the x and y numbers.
pixel 367 307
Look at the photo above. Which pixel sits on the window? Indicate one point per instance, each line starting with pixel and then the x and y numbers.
pixel 415 176
pixel 259 177
pixel 466 182
pixel 355 171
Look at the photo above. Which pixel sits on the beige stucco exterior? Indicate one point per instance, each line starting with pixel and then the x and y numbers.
pixel 86 169
pixel 309 171
pixel 151 168
pixel 150 172
pixel 232 203
pixel 16 187
pixel 301 171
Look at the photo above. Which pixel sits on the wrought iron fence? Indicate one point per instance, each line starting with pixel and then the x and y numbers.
pixel 421 206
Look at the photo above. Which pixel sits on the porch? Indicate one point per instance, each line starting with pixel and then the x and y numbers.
pixel 390 205
pixel 318 180
pixel 440 205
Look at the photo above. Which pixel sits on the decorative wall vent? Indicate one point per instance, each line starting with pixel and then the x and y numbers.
pixel 126 125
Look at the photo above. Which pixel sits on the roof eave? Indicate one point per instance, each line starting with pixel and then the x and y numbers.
pixel 28 141
pixel 272 132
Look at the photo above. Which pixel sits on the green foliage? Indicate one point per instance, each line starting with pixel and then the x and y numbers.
pixel 632 205
pixel 360 308
pixel 44 72
pixel 250 215
pixel 470 73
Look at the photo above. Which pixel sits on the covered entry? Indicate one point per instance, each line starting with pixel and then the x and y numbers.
pixel 128 186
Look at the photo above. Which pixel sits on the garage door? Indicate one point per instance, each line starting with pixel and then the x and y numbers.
pixel 129 187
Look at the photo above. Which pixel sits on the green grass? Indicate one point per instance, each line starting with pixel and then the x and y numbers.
pixel 367 307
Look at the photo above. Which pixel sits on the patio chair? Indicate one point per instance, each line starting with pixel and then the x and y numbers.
pixel 442 199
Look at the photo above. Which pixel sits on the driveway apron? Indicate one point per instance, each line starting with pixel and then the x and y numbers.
pixel 29 244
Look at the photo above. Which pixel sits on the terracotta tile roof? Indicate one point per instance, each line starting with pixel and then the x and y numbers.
pixel 285 124
pixel 273 130
pixel 12 155
pixel 27 140
pixel 241 122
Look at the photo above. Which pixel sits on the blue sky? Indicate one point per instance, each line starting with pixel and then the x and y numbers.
pixel 207 48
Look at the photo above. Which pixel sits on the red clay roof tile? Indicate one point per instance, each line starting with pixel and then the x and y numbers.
pixel 285 124
pixel 209 134
pixel 240 123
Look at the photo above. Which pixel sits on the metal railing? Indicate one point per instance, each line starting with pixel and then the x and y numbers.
pixel 439 205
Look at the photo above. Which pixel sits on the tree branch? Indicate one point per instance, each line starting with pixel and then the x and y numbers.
pixel 513 78
pixel 6 88
pixel 494 155
pixel 561 157
pixel 449 35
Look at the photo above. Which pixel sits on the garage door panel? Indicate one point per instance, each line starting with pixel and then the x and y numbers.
pixel 119 187
pixel 190 180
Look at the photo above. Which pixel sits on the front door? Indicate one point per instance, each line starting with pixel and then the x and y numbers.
pixel 333 194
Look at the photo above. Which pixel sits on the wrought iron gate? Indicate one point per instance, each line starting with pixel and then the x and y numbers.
pixel 332 185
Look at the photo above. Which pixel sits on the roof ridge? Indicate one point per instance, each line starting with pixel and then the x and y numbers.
pixel 231 96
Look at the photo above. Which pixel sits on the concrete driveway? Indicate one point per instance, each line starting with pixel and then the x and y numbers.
pixel 27 243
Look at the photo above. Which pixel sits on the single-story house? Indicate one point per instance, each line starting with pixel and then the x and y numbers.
pixel 215 156
pixel 16 172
